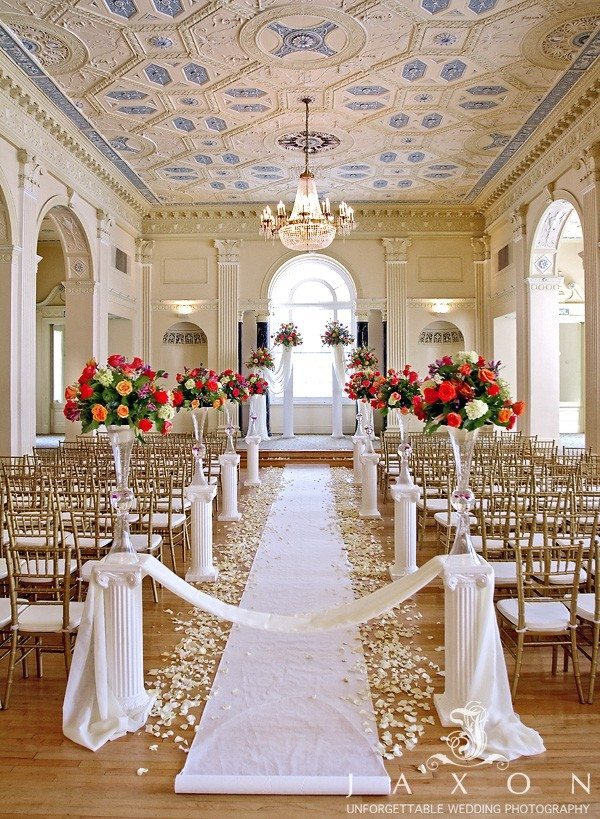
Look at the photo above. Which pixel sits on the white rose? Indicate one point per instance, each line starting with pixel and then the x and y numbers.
pixel 472 357
pixel 429 384
pixel 475 409
pixel 504 389
pixel 166 412
pixel 104 376
pixel 437 379
pixel 190 384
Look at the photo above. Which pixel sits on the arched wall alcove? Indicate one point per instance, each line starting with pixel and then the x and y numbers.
pixel 556 321
pixel 184 344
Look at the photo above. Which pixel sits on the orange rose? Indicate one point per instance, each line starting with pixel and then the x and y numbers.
pixel 504 415
pixel 216 403
pixel 122 411
pixel 487 376
pixel 71 392
pixel 195 403
pixel 124 387
pixel 99 413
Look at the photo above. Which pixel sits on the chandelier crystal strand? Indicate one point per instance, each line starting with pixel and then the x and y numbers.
pixel 311 224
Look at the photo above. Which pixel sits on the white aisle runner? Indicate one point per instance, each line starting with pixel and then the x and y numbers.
pixel 288 713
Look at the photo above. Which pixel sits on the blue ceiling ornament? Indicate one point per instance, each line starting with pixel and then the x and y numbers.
pixel 249 108
pixel 398 120
pixel 124 8
pixel 218 186
pixel 121 143
pixel 245 93
pixel 303 39
pixel 480 6
pixel 453 70
pixel 170 7
pixel 230 159
pixel 405 183
pixel 478 105
pixel 367 90
pixel 416 156
pixel 126 95
pixel 388 156
pixel 215 124
pixel 487 90
pixel 435 6
pixel 195 73
pixel 371 105
pixel 431 120
pixel 202 159
pixel 157 74
pixel 183 124
pixel 136 110
pixel 241 185
pixel 414 70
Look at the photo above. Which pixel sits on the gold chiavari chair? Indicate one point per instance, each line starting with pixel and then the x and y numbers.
pixel 588 610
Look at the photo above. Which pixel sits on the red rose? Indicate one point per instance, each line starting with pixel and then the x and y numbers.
pixel 487 376
pixel 212 385
pixel 136 364
pixel 88 372
pixel 493 389
pixel 179 378
pixel 518 407
pixel 430 395
pixel 145 424
pixel 446 391
pixel 481 361
pixel 512 422
pixel 465 369
pixel 465 390
pixel 167 427
pixel 413 376
pixel 417 401
pixel 447 360
pixel 177 398
pixel 161 397
pixel 151 374
pixel 453 419
pixel 235 392
pixel 116 360
pixel 86 391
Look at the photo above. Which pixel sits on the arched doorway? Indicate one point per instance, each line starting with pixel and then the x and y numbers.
pixel 310 290
pixel 184 344
pixel 556 302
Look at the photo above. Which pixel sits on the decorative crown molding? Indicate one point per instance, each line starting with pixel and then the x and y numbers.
pixel 171 305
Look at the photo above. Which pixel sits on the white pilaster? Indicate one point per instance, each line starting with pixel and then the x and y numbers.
pixel 464 586
pixel 396 263
pixel 11 377
pixel 143 258
pixel 521 263
pixel 481 264
pixel 121 586
pixel 591 264
pixel 229 471
pixel 201 547
pixel 228 260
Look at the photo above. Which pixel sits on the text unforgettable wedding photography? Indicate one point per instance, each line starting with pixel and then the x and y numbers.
pixel 300 447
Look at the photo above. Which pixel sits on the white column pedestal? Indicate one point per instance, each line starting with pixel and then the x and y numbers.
pixel 358 445
pixel 393 419
pixel 121 586
pixel 464 583
pixel 229 466
pixel 201 568
pixel 252 476
pixel 405 529
pixel 368 500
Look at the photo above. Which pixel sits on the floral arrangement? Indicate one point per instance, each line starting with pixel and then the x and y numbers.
pixel 287 335
pixel 464 391
pixel 257 384
pixel 120 394
pixel 260 359
pixel 198 387
pixel 336 333
pixel 362 358
pixel 234 386
pixel 398 391
pixel 365 386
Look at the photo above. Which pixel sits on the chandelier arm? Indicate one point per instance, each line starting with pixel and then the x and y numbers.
pixel 306 102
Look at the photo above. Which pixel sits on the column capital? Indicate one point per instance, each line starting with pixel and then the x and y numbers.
pixel 519 224
pixel 396 250
pixel 73 287
pixel 104 225
pixel 143 250
pixel 588 165
pixel 228 250
pixel 481 248
pixel 30 170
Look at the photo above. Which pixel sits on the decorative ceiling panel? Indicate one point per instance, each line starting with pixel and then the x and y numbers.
pixel 198 102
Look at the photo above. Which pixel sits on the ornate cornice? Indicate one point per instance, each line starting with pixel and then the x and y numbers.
pixel 454 304
pixel 27 122
pixel 78 288
pixel 571 131
pixel 242 221
pixel 171 305
pixel 544 283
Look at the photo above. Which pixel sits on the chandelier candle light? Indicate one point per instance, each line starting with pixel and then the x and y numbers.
pixel 311 224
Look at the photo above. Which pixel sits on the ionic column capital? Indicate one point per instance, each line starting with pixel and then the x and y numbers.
pixel 396 250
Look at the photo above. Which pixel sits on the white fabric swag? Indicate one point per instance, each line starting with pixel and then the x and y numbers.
pixel 278 379
pixel 92 715
pixel 339 364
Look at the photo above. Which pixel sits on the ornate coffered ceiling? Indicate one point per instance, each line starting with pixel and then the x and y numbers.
pixel 198 102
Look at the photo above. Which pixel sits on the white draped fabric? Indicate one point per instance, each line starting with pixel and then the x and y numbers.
pixel 258 407
pixel 92 716
pixel 339 363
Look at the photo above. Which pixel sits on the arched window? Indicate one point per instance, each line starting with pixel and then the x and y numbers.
pixel 309 291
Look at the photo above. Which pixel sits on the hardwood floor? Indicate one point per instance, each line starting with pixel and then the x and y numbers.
pixel 44 774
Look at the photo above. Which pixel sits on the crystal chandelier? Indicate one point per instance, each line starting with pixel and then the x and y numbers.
pixel 311 224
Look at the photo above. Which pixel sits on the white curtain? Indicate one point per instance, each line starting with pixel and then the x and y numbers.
pixel 258 407
pixel 93 716
pixel 277 379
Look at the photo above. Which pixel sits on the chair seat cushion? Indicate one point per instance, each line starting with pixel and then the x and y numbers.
pixel 5 611
pixel 91 542
pixel 586 607
pixel 559 579
pixel 39 540
pixel 48 617
pixel 505 572
pixel 433 504
pixel 493 544
pixel 160 520
pixel 140 542
pixel 441 518
pixel 545 617
pixel 3 568
pixel 162 504
pixel 564 541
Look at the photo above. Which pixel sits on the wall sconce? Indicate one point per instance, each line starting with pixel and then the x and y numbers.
pixel 183 309
pixel 440 306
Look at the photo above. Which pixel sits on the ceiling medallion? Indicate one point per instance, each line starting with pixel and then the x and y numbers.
pixel 318 141
pixel 311 224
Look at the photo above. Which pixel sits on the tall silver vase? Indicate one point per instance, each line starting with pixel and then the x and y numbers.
pixel 462 498
pixel 122 439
